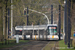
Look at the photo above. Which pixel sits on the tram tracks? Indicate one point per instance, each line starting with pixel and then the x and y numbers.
pixel 33 45
pixel 36 45
pixel 51 45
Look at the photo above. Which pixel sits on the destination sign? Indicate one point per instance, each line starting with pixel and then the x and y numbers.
pixel 52 27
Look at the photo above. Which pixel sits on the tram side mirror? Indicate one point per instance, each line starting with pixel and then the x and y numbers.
pixel 56 34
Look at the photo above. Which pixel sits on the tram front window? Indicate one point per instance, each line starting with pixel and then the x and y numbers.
pixel 52 31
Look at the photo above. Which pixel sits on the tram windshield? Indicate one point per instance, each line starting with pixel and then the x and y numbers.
pixel 52 31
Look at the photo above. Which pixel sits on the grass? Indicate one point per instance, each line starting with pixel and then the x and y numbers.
pixel 62 46
pixel 11 43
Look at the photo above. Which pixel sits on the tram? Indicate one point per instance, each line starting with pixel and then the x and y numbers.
pixel 46 32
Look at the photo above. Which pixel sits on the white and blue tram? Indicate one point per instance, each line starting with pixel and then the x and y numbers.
pixel 49 32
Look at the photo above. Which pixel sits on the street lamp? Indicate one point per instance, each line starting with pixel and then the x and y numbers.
pixel 40 13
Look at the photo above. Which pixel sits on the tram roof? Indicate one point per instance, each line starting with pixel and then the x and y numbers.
pixel 52 25
pixel 30 27
pixel 35 27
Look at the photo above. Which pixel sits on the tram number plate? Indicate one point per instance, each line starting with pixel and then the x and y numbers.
pixel 52 36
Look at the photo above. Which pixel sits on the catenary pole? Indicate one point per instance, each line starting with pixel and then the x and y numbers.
pixel 27 16
pixel 11 18
pixel 6 22
pixel 65 21
pixel 69 22
pixel 59 21
pixel 51 14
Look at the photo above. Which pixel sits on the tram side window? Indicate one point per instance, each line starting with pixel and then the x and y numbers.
pixel 55 31
pixel 19 32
